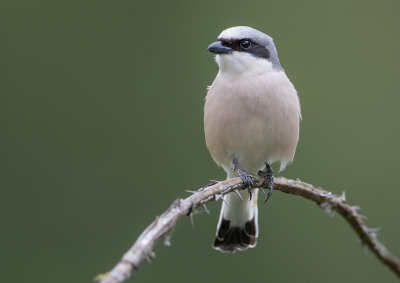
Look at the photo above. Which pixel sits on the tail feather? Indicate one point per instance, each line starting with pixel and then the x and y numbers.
pixel 230 238
pixel 238 224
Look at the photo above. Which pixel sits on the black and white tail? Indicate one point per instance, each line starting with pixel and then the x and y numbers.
pixel 238 223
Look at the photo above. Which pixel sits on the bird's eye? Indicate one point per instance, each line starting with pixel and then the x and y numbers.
pixel 245 44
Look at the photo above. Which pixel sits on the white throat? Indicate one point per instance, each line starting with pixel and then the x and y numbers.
pixel 240 63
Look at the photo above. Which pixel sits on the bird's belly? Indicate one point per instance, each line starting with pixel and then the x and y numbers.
pixel 252 137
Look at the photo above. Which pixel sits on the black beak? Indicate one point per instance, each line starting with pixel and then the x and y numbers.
pixel 218 48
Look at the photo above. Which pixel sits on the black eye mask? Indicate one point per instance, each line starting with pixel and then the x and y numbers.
pixel 248 46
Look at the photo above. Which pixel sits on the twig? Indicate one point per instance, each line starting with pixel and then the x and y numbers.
pixel 142 249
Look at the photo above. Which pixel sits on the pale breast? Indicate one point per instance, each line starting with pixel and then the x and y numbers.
pixel 254 119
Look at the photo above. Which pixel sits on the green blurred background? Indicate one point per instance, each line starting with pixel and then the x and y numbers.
pixel 101 129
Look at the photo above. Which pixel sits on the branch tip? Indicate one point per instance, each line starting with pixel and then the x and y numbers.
pixel 205 208
pixel 238 193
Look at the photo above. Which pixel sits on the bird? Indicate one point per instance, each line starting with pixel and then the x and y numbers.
pixel 251 119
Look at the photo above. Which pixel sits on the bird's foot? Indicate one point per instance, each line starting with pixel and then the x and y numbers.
pixel 268 176
pixel 246 178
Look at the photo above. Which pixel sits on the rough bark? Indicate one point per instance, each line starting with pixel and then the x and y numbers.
pixel 142 248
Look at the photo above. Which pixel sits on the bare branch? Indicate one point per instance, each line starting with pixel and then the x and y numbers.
pixel 142 249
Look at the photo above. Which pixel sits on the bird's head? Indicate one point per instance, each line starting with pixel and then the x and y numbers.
pixel 242 49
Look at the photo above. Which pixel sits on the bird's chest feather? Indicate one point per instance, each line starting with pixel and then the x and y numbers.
pixel 243 107
pixel 244 117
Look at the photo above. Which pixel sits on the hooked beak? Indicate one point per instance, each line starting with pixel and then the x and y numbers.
pixel 218 48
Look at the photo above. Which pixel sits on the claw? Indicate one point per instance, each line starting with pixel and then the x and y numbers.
pixel 246 178
pixel 268 182
pixel 265 194
pixel 268 196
